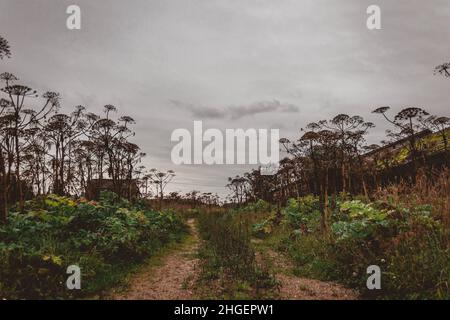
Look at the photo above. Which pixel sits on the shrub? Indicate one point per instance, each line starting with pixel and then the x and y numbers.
pixel 303 213
pixel 360 220
pixel 55 232
pixel 408 243
pixel 263 228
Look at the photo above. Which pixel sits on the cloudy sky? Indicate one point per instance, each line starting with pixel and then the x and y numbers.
pixel 230 63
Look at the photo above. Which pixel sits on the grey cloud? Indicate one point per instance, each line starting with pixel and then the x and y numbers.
pixel 199 111
pixel 261 107
pixel 236 112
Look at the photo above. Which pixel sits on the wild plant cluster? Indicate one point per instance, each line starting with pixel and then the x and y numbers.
pixel 403 231
pixel 228 257
pixel 105 239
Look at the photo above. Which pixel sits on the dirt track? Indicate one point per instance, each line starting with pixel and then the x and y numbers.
pixel 174 278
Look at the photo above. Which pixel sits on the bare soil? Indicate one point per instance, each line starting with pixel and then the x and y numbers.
pixel 174 277
pixel 172 280
pixel 296 288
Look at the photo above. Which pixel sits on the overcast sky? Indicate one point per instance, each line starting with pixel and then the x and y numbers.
pixel 231 63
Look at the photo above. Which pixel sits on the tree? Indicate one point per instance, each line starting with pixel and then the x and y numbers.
pixel 115 154
pixel 62 131
pixel 160 180
pixel 327 146
pixel 239 187
pixel 316 151
pixel 443 69
pixel 4 105
pixel 325 158
pixel 440 125
pixel 19 119
pixel 357 147
pixel 4 48
pixel 408 123
pixel 4 52
pixel 44 151
pixel 349 130
pixel 260 186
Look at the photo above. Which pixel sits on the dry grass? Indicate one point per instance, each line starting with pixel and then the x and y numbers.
pixel 433 189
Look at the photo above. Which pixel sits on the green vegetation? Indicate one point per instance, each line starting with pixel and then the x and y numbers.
pixel 408 242
pixel 230 268
pixel 106 239
pixel 431 144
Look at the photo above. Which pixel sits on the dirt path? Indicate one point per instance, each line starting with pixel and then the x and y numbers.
pixel 175 274
pixel 172 279
pixel 296 288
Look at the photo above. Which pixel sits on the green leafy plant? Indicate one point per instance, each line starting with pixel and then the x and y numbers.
pixel 303 213
pixel 104 239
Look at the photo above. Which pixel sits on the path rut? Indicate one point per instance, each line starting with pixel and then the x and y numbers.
pixel 297 288
pixel 173 280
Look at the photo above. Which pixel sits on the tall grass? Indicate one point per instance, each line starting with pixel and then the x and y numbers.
pixel 432 189
pixel 404 231
pixel 227 254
